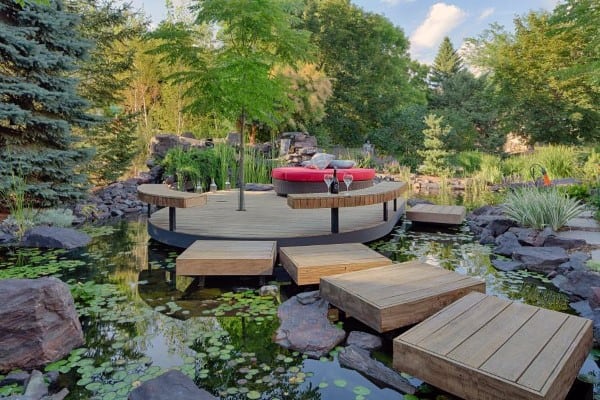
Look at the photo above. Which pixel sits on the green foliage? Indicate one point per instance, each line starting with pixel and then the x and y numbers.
pixel 593 265
pixel 560 161
pixel 546 73
pixel 578 192
pixel 540 207
pixel 40 105
pixel 435 157
pixel 590 170
pixel 467 161
pixel 366 57
pixel 402 135
pixel 191 166
pixel 447 63
pixel 116 146
pixel 14 198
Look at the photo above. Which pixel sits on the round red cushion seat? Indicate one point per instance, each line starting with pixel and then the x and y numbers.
pixel 302 174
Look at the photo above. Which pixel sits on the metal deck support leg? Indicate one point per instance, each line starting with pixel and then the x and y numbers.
pixel 335 220
pixel 385 211
pixel 395 204
pixel 149 205
pixel 171 218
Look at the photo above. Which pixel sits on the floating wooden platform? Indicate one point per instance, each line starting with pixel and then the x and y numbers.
pixel 227 257
pixel 162 195
pixel 307 264
pixel 483 347
pixel 268 217
pixel 396 295
pixel 433 214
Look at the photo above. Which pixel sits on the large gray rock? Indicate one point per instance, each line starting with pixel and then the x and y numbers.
pixel 526 236
pixel 500 225
pixel 507 265
pixel 169 386
pixel 360 360
pixel 305 327
pixel 578 283
pixel 363 340
pixel 565 243
pixel 39 323
pixel 541 259
pixel 51 237
pixel 507 244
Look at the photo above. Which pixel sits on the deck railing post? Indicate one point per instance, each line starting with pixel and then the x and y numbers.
pixel 335 220
pixel 171 218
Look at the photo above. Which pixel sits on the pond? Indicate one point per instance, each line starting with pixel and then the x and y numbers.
pixel 137 324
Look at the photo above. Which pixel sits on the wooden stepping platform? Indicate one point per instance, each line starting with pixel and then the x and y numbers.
pixel 227 257
pixel 483 347
pixel 433 214
pixel 307 264
pixel 396 295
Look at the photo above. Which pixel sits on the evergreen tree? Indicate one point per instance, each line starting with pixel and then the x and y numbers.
pixel 447 63
pixel 435 156
pixel 39 104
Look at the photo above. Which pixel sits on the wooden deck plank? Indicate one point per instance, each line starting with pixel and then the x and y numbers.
pixel 512 358
pixel 396 295
pixel 306 264
pixel 537 373
pixel 163 196
pixel 227 257
pixel 428 213
pixel 535 356
pixel 492 335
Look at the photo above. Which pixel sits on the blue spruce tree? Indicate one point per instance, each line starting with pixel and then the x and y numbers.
pixel 39 104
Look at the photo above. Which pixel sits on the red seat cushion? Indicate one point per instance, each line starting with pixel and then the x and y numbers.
pixel 302 174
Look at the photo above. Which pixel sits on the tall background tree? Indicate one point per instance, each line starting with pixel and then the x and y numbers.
pixel 546 73
pixel 366 57
pixel 446 63
pixel 39 48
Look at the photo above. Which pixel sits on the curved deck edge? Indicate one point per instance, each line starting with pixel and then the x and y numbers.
pixel 184 240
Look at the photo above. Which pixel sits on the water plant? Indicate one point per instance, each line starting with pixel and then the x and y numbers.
pixel 541 207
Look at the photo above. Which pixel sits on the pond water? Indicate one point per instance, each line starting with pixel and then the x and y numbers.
pixel 137 324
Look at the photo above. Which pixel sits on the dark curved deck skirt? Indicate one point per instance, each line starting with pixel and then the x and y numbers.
pixel 369 222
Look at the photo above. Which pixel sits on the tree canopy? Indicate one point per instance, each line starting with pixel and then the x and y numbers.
pixel 40 48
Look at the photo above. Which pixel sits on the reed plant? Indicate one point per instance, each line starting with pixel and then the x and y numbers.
pixel 541 207
pixel 15 199
pixel 558 160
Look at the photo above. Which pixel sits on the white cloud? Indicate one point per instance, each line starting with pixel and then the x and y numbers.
pixel 486 13
pixel 441 19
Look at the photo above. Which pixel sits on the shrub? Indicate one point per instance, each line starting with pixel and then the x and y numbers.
pixel 540 207
pixel 468 161
pixel 560 161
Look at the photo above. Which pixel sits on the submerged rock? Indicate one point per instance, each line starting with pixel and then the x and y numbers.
pixel 360 360
pixel 51 237
pixel 305 327
pixel 171 385
pixel 269 290
pixel 39 322
pixel 363 340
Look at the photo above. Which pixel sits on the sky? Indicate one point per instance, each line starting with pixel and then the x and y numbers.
pixel 426 22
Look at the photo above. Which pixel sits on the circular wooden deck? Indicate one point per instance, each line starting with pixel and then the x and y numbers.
pixel 268 217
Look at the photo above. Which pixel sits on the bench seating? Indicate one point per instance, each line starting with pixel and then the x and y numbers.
pixel 380 193
pixel 163 196
pixel 292 180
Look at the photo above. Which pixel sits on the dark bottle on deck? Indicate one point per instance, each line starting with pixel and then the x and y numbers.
pixel 335 184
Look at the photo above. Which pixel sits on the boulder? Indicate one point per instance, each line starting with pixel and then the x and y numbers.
pixel 51 237
pixel 507 244
pixel 507 265
pixel 541 259
pixel 6 237
pixel 595 297
pixel 526 236
pixel 500 225
pixel 565 243
pixel 39 322
pixel 172 384
pixel 578 283
pixel 360 360
pixel 305 327
pixel 36 387
pixel 364 340
pixel 486 237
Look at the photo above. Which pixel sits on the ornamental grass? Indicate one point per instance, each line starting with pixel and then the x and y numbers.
pixel 541 207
